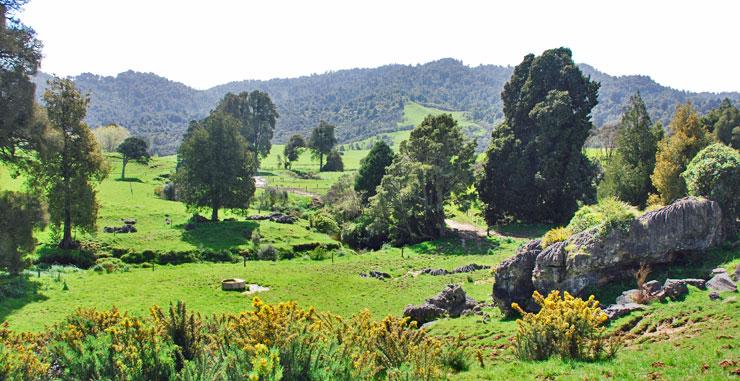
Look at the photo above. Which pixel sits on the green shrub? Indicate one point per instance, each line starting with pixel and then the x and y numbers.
pixel 54 256
pixel 608 215
pixel 714 173
pixel 133 257
pixel 301 247
pixel 177 257
pixel 322 222
pixel 267 253
pixel 559 234
pixel 219 256
pixel 319 254
pixel 109 265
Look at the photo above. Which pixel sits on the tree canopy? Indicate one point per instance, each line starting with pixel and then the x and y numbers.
pixel 627 173
pixel 723 123
pixel 535 170
pixel 292 149
pixel 111 136
pixel 21 214
pixel 322 141
pixel 132 148
pixel 687 137
pixel 68 172
pixel 216 166
pixel 257 115
pixel 372 169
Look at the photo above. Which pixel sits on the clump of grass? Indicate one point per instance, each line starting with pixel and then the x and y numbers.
pixel 555 235
pixel 608 215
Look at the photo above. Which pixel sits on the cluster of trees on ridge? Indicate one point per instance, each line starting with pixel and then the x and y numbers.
pixel 360 102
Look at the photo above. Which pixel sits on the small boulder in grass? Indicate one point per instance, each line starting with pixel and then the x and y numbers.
pixel 721 282
pixel 675 289
pixel 651 287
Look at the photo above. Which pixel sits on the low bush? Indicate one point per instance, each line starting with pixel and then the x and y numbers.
pixel 134 257
pixel 608 215
pixel 559 234
pixel 53 256
pixel 301 247
pixel 319 254
pixel 269 342
pixel 322 222
pixel 177 257
pixel 570 327
pixel 267 253
pixel 109 265
pixel 219 256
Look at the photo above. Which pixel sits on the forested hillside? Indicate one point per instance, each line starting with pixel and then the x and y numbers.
pixel 361 102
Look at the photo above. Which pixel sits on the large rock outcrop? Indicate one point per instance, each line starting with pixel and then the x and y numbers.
pixel 589 259
pixel 452 301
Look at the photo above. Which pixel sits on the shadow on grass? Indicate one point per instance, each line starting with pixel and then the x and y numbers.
pixel 16 292
pixel 130 180
pixel 518 230
pixel 687 265
pixel 265 173
pixel 458 244
pixel 219 235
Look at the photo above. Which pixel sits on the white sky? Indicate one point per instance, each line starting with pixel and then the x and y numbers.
pixel 690 45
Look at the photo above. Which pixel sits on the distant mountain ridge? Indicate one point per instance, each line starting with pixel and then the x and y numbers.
pixel 361 102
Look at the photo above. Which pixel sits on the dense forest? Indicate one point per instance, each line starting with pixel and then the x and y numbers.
pixel 360 102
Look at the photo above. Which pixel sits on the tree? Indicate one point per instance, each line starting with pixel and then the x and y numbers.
pixel 216 166
pixel 20 55
pixel 68 172
pixel 687 137
pixel 334 162
pixel 257 115
pixel 434 163
pixel 627 173
pixel 322 141
pixel 293 149
pixel 132 148
pixel 342 200
pixel 714 173
pixel 110 137
pixel 372 169
pixel 723 123
pixel 535 170
pixel 22 214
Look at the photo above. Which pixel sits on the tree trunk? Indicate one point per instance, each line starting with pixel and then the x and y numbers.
pixel 2 17
pixel 214 214
pixel 321 161
pixel 67 242
pixel 123 169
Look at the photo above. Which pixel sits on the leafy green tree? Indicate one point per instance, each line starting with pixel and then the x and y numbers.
pixel 111 136
pixel 627 173
pixel 342 201
pixel 133 148
pixel 22 214
pixel 216 166
pixel 687 137
pixel 723 123
pixel 20 55
pixel 534 169
pixel 257 115
pixel 69 171
pixel 372 169
pixel 334 162
pixel 433 164
pixel 322 141
pixel 292 149
pixel 714 173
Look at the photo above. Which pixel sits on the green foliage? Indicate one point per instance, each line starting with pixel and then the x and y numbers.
pixel 133 148
pixel 110 137
pixel 372 169
pixel 627 173
pixel 257 115
pixel 723 123
pixel 535 170
pixel 267 253
pixel 293 149
pixel 323 222
pixel 216 166
pixel 609 214
pixel 334 162
pixel 342 201
pixel 554 235
pixel 109 265
pixel 21 215
pixel 322 141
pixel 687 137
pixel 79 258
pixel 68 172
pixel 714 173
pixel 272 197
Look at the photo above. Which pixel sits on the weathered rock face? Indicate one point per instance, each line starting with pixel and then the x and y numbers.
pixel 721 282
pixel 588 260
pixel 452 301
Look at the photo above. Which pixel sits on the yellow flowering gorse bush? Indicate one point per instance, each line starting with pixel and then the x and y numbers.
pixel 565 325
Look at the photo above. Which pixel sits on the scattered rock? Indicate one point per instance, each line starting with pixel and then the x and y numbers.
pixel 674 289
pixel 588 260
pixel 274 217
pixel 721 282
pixel 376 274
pixel 719 270
pixel 434 272
pixel 627 297
pixel 255 288
pixel 257 217
pixel 234 284
pixel 452 301
pixel 714 295
pixel 698 283
pixel 652 287
pixel 120 229
pixel 129 221
pixel 615 311
pixel 470 268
